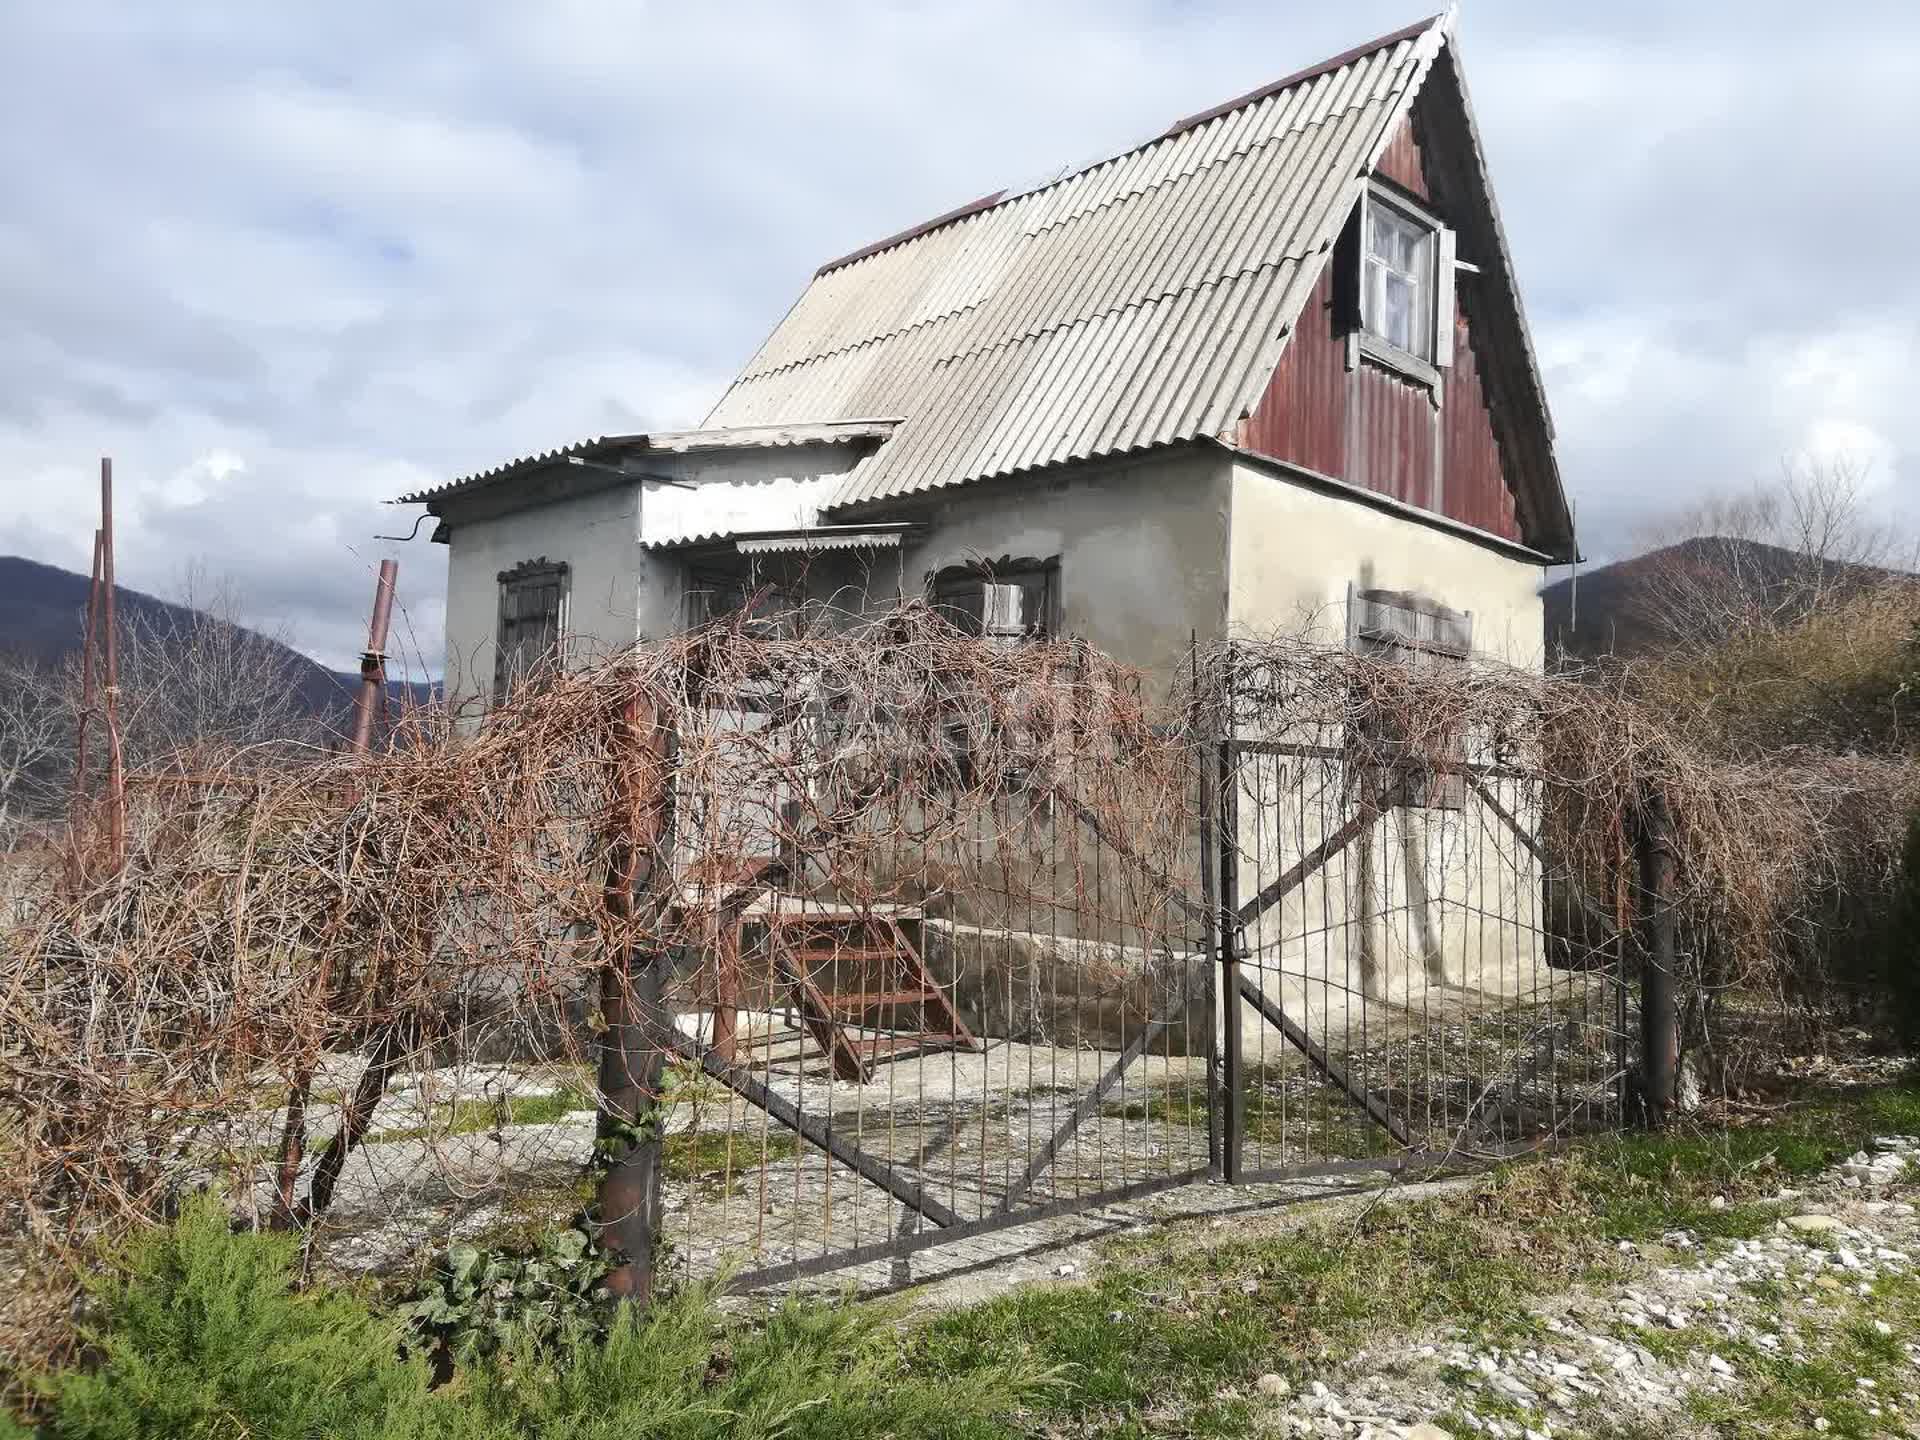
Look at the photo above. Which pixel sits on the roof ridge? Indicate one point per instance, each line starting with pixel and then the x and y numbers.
pixel 1190 122
pixel 1300 77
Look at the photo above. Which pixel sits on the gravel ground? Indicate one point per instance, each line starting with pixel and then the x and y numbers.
pixel 1631 1356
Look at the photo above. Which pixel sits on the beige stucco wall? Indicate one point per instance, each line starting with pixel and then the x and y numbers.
pixel 1431 906
pixel 1296 550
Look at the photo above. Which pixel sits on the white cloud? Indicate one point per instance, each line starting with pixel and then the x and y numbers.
pixel 194 483
pixel 284 265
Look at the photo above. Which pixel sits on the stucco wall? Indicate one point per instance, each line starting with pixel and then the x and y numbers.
pixel 610 579
pixel 1142 547
pixel 619 591
pixel 1296 550
pixel 1429 902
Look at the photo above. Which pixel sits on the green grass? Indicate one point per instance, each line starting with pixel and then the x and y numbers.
pixel 1173 1327
pixel 711 1156
pixel 1169 1321
pixel 1281 1113
pixel 476 1116
pixel 1167 1324
pixel 1781 1396
pixel 473 1117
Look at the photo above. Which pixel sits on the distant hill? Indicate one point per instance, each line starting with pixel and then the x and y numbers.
pixel 43 615
pixel 1612 601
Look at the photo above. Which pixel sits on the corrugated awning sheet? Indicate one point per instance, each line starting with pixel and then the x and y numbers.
pixel 670 515
pixel 1138 303
pixel 806 542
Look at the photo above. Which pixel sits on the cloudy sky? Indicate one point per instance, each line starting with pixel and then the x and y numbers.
pixel 286 262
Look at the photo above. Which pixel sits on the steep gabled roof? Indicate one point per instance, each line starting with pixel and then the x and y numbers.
pixel 1139 303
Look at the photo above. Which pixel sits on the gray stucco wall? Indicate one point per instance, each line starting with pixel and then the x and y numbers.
pixel 597 535
pixel 1142 547
pixel 619 591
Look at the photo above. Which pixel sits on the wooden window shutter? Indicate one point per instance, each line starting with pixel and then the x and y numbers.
pixel 1445 253
pixel 1414 631
pixel 503 643
pixel 531 619
pixel 1346 273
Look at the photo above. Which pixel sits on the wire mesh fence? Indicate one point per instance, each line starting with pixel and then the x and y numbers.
pixel 784 952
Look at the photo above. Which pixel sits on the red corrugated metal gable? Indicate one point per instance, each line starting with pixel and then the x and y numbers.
pixel 1373 428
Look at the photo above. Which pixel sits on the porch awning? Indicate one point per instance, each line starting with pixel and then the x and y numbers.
pixel 801 540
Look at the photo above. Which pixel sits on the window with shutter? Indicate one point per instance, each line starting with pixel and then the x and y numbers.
pixel 1010 601
pixel 1423 635
pixel 1405 273
pixel 533 604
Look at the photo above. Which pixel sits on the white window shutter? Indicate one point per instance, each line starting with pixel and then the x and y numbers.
pixel 1003 610
pixel 1443 298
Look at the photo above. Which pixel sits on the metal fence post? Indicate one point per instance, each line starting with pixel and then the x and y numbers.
pixel 1218 1011
pixel 1659 1024
pixel 373 663
pixel 1233 1117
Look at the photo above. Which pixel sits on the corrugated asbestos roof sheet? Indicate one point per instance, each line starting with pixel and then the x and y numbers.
pixel 1138 303
pixel 813 431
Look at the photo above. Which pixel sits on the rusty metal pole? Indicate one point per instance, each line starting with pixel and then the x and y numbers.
pixel 632 1006
pixel 373 664
pixel 1659 1015
pixel 392 1047
pixel 88 648
pixel 116 759
pixel 1217 1019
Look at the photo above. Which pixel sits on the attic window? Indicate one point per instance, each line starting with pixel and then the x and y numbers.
pixel 1406 281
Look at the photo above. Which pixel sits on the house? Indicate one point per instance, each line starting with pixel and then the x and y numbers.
pixel 1270 359
pixel 1267 370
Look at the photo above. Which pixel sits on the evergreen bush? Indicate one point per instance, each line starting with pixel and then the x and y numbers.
pixel 201 1335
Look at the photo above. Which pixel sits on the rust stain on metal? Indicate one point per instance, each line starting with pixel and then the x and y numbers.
pixel 373 664
pixel 1373 428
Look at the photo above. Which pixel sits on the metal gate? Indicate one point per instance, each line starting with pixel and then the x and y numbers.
pixel 1251 957
pixel 1410 978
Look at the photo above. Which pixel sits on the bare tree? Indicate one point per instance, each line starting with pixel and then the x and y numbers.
pixel 192 675
pixel 1744 565
pixel 36 744
pixel 1789 615
pixel 199 675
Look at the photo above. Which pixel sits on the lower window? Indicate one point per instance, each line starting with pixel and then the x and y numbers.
pixel 1423 635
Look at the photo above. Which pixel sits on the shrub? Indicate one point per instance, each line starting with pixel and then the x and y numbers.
pixel 1900 945
pixel 201 1334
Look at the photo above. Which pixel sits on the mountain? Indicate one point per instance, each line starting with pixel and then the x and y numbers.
pixel 43 616
pixel 1613 603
